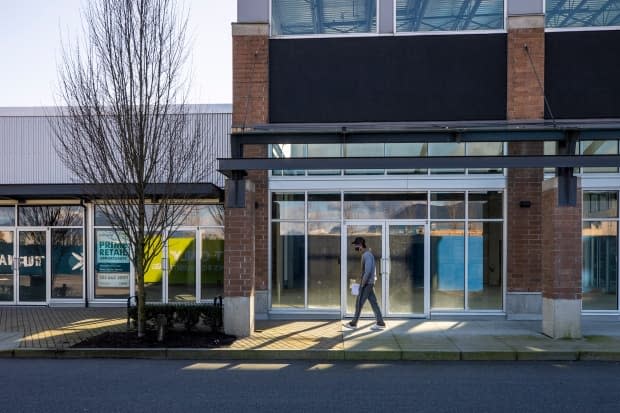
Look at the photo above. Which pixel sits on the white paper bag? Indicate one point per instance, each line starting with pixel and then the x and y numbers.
pixel 355 289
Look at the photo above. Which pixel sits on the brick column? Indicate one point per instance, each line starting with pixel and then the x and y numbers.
pixel 525 102
pixel 248 226
pixel 239 270
pixel 562 257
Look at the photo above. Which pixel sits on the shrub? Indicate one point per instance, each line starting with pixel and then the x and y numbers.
pixel 190 315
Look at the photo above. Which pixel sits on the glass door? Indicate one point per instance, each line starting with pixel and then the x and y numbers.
pixel 373 233
pixel 33 272
pixel 401 255
pixel 7 269
pixel 407 268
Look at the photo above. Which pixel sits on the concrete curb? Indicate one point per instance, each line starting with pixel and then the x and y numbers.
pixel 318 355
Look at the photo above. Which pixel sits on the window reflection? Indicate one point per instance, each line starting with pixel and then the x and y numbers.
pixel 486 205
pixel 600 265
pixel 354 150
pixel 295 17
pixel 484 266
pixel 111 264
pixel 67 262
pixel 212 263
pixel 406 149
pixel 455 15
pixel 287 282
pixel 6 265
pixel 448 265
pixel 182 266
pixel 7 215
pixel 49 216
pixel 446 149
pixel 324 265
pixel 287 206
pixel 385 206
pixel 600 204
pixel 599 148
pixel 484 149
pixel 324 151
pixel 447 205
pixel 323 206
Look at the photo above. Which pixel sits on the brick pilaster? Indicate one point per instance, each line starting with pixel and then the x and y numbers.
pixel 251 107
pixel 525 102
pixel 561 263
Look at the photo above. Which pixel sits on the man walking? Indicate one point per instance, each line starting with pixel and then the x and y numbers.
pixel 367 286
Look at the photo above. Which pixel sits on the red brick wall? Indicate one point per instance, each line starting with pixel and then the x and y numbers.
pixel 239 249
pixel 525 101
pixel 251 107
pixel 562 252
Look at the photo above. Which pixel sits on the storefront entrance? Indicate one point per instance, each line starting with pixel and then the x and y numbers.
pixel 401 252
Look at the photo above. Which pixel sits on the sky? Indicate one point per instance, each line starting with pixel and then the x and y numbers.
pixel 31 33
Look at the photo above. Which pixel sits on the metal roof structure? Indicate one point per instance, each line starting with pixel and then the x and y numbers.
pixel 582 13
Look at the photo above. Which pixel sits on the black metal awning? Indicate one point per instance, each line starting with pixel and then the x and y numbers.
pixel 21 192
pixel 565 132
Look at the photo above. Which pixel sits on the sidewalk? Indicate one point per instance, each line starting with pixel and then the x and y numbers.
pixel 50 332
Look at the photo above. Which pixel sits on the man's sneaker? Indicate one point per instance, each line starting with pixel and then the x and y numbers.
pixel 350 326
pixel 378 327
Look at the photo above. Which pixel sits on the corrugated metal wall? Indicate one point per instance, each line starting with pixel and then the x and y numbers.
pixel 28 155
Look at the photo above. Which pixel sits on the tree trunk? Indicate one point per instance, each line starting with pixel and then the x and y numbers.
pixel 140 289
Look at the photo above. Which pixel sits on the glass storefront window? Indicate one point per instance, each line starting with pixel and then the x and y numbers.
pixel 182 266
pixel 485 205
pixel 205 215
pixel 288 150
pixel 288 252
pixel 599 148
pixel 67 262
pixel 406 149
pixel 324 265
pixel 448 265
pixel 355 150
pixel 212 263
pixel 385 206
pixel 484 149
pixel 600 204
pixel 316 150
pixel 340 17
pixel 154 276
pixel 484 266
pixel 323 206
pixel 111 265
pixel 600 265
pixel 7 215
pixel 446 149
pixel 287 206
pixel 447 205
pixel 455 15
pixel 6 265
pixel 50 216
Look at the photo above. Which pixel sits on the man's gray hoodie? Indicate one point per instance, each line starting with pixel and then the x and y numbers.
pixel 368 268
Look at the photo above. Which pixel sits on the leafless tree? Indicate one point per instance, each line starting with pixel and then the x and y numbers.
pixel 127 132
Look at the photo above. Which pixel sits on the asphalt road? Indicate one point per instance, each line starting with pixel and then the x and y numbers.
pixel 39 385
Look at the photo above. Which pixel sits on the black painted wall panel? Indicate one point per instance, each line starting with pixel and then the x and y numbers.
pixel 582 74
pixel 388 79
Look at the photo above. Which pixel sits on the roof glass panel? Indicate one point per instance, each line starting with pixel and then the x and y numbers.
pixel 582 13
pixel 449 15
pixel 307 17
